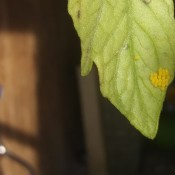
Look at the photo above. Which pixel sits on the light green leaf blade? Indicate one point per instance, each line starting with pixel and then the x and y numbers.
pixel 132 44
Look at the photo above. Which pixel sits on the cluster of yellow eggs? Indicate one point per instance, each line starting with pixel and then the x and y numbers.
pixel 160 78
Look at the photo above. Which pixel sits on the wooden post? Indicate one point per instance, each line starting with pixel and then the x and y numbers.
pixel 18 78
pixel 18 106
pixel 39 98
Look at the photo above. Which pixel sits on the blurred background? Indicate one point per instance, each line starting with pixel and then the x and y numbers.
pixel 58 121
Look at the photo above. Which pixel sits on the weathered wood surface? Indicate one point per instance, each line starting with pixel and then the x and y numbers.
pixel 18 106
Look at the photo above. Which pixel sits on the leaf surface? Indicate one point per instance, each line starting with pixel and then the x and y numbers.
pixel 132 43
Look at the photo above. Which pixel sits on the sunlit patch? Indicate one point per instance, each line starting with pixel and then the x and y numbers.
pixel 160 79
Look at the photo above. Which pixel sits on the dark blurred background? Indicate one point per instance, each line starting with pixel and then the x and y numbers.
pixel 58 121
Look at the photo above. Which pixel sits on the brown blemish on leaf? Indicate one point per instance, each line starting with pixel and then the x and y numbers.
pixel 146 1
pixel 78 14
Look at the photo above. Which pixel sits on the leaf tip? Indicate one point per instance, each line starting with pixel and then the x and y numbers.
pixel 148 133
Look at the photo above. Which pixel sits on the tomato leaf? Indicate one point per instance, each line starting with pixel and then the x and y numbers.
pixel 132 43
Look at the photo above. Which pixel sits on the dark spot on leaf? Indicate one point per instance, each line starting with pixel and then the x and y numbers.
pixel 146 1
pixel 78 14
pixel 127 46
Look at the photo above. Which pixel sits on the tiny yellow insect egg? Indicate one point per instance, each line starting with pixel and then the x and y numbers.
pixel 163 77
pixel 160 83
pixel 166 81
pixel 166 71
pixel 136 57
pixel 159 76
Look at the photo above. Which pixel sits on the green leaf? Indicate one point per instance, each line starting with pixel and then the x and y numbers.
pixel 132 43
